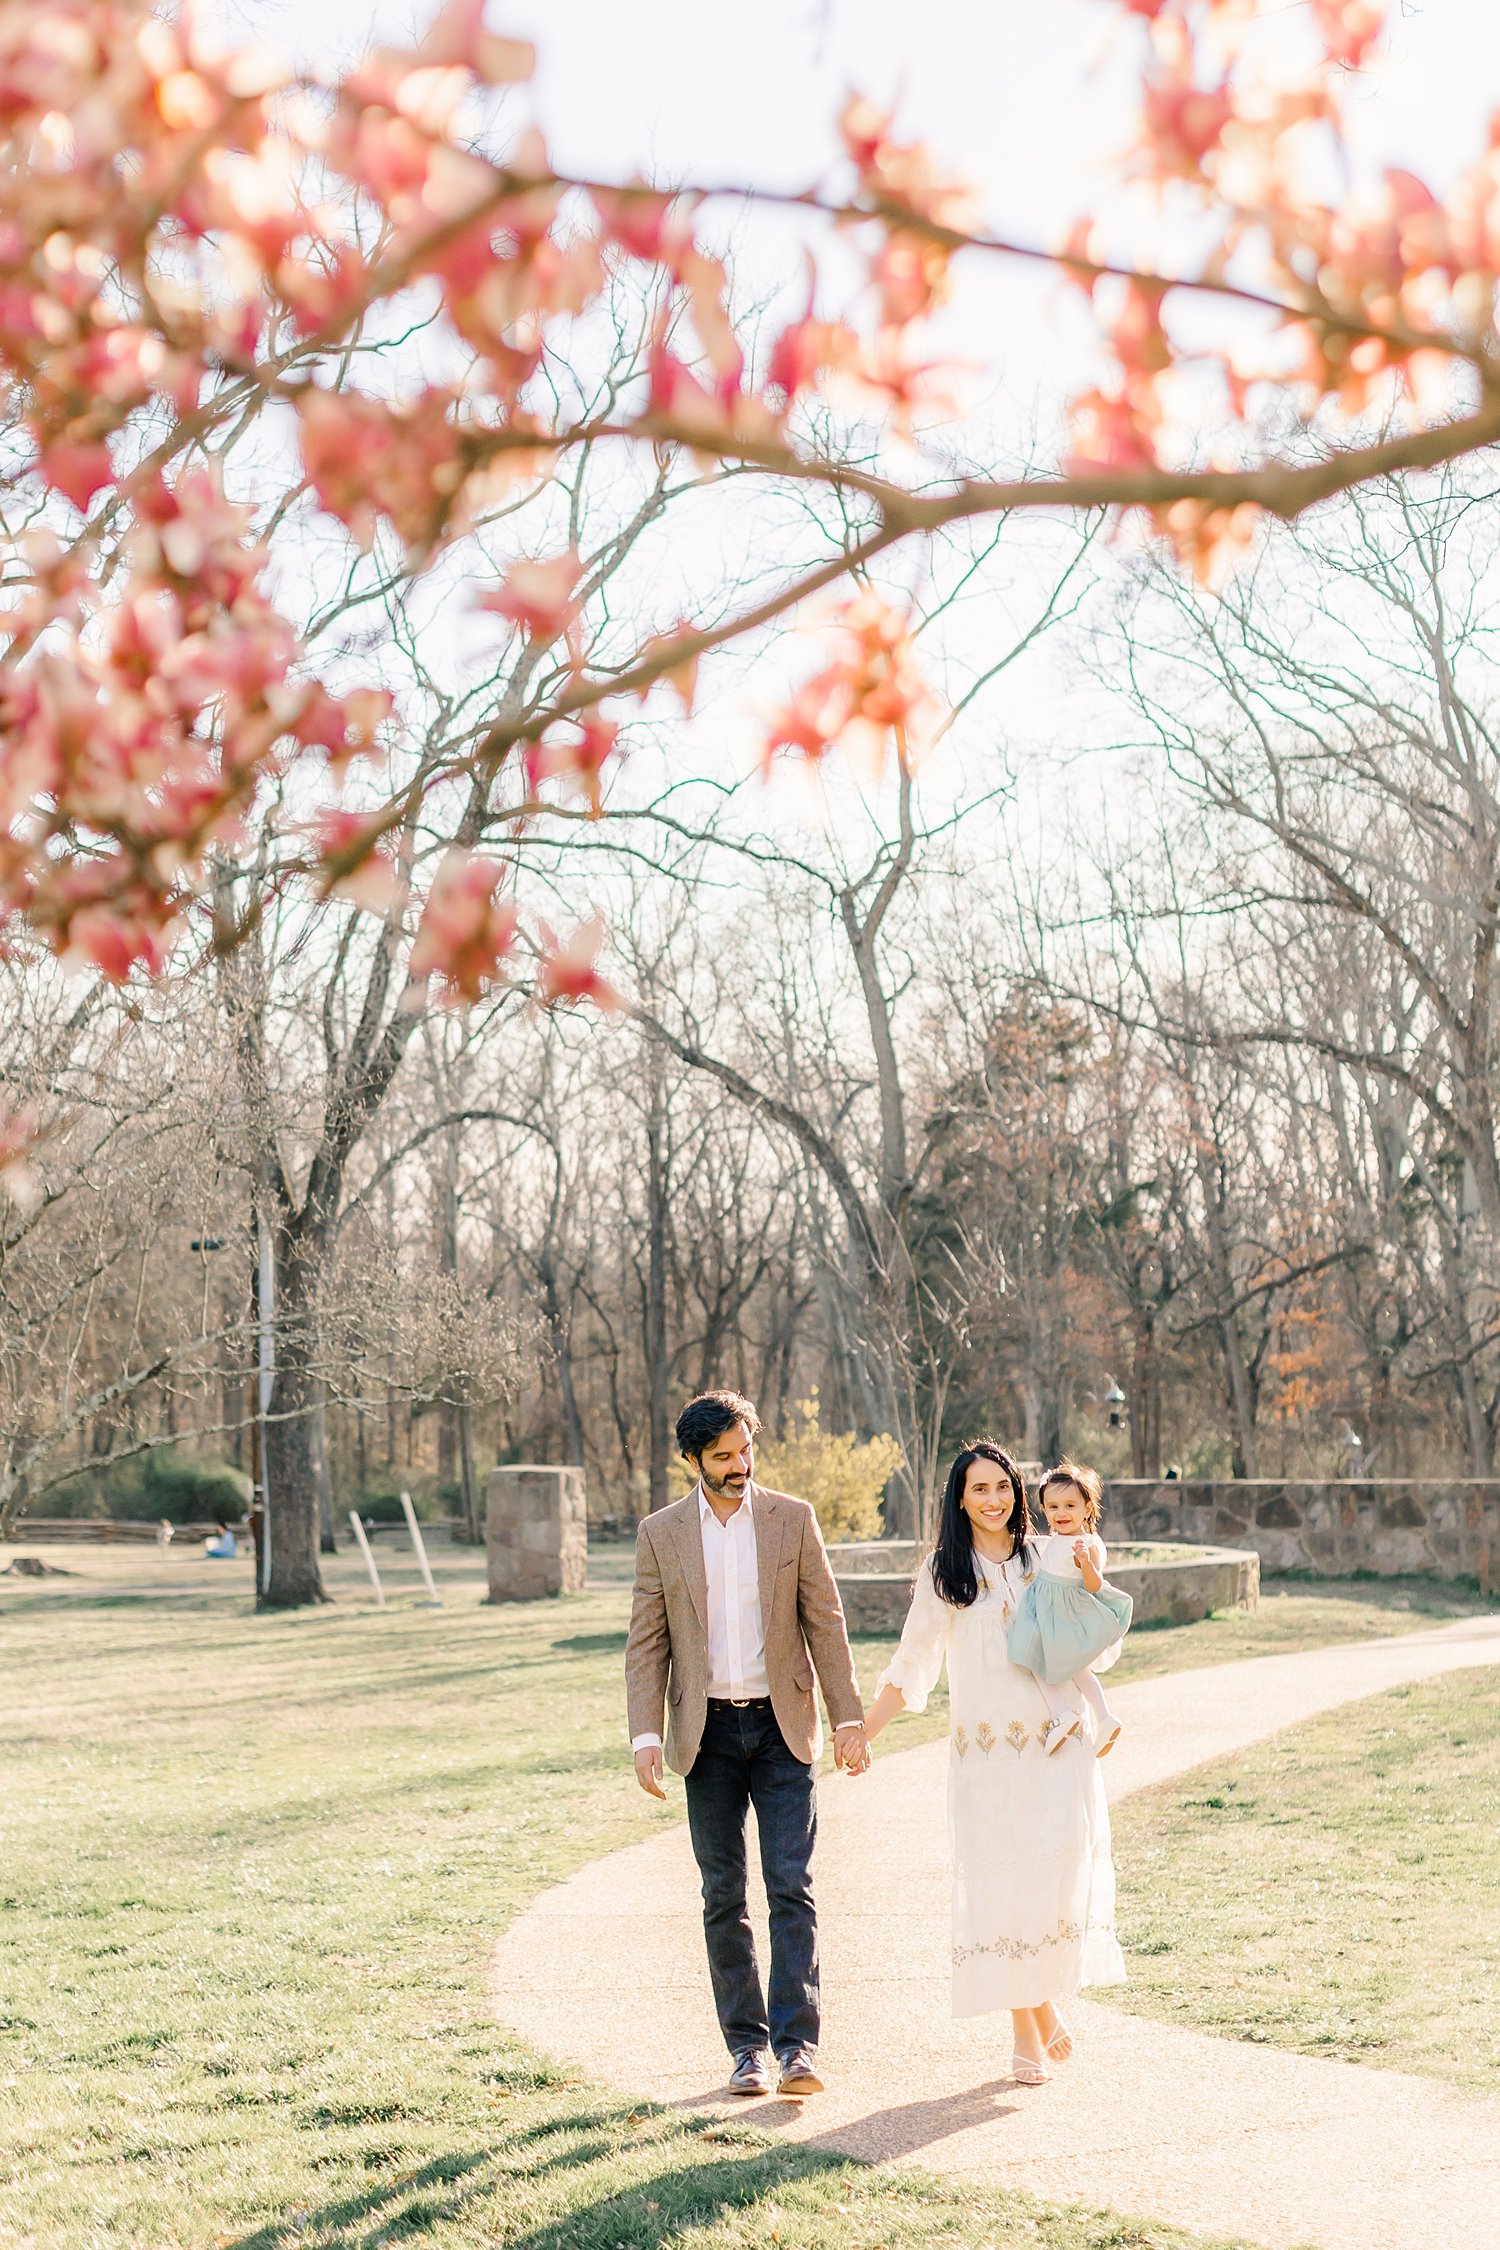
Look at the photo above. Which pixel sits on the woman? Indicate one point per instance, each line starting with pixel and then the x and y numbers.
pixel 1033 1882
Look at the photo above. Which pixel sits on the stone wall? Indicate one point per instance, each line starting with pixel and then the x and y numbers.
pixel 1393 1527
pixel 1165 1591
pixel 535 1533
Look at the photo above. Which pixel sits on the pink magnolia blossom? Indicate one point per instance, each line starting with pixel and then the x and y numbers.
pixel 570 970
pixel 77 468
pixel 645 222
pixel 719 415
pixel 807 349
pixel 682 674
pixel 457 34
pixel 1349 28
pixel 872 690
pixel 346 726
pixel 406 463
pixel 353 862
pixel 538 596
pixel 136 739
pixel 1209 540
pixel 579 750
pixel 466 930
pixel 114 938
pixel 20 1132
pixel 185 229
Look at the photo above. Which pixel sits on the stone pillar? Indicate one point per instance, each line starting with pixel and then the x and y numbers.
pixel 535 1533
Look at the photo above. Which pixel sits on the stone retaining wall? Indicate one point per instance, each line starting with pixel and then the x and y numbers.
pixel 1164 1591
pixel 1394 1527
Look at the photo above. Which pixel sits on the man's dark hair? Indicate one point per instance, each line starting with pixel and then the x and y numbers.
pixel 708 1416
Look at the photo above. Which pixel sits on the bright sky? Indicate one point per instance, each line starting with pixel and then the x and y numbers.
pixel 1029 99
pixel 1023 98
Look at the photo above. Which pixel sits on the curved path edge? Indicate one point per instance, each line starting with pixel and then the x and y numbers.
pixel 1229 2139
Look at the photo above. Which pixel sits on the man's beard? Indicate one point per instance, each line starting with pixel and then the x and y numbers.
pixel 729 1487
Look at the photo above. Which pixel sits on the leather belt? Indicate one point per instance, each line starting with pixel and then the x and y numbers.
pixel 740 1702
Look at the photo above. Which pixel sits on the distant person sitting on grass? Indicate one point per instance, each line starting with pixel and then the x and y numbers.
pixel 1069 1622
pixel 222 1547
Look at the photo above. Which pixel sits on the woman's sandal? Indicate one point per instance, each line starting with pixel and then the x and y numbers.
pixel 1026 2070
pixel 1060 2032
pixel 1109 1742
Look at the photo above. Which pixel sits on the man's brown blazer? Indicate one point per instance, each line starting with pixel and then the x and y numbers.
pixel 666 1656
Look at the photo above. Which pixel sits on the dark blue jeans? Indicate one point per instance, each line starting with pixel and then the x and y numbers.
pixel 744 1761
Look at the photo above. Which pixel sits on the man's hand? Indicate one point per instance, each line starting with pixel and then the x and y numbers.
pixel 851 1750
pixel 648 1771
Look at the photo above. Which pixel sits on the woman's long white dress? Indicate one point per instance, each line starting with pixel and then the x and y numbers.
pixel 1033 1880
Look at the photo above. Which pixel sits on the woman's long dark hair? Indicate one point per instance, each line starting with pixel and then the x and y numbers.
pixel 953 1570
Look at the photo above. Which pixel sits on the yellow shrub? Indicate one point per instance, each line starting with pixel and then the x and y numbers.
pixel 841 1477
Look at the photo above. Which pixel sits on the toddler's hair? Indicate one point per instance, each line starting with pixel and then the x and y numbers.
pixel 1087 1481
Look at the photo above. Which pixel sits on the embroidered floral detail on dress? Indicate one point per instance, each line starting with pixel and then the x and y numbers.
pixel 1022 1949
pixel 984 1735
pixel 960 1740
pixel 1017 1736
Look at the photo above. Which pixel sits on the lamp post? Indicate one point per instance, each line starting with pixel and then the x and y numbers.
pixel 1114 1399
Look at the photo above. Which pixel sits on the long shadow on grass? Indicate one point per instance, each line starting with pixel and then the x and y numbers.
pixel 664 2207
pixel 652 2211
pixel 408 2204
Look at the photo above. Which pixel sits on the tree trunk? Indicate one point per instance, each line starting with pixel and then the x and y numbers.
pixel 293 1578
pixel 1382 1423
pixel 1050 1428
pixel 1476 1422
pixel 562 1356
pixel 468 1472
pixel 327 1542
pixel 1145 1402
pixel 1245 1461
pixel 447 1258
pixel 1244 1452
pixel 657 1403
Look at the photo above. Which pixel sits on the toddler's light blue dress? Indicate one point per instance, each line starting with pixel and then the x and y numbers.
pixel 1060 1627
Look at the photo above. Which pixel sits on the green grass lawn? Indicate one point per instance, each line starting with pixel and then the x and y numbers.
pixel 1334 1889
pixel 1299 1613
pixel 250 1873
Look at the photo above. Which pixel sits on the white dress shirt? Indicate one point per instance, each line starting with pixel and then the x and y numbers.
pixel 736 1628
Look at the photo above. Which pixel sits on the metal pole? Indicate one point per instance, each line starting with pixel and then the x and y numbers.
pixel 414 1528
pixel 265 1308
pixel 364 1548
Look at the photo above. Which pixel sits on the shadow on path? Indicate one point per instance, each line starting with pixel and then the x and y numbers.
pixel 883 2134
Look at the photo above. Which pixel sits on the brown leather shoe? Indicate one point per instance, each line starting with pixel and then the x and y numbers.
pixel 798 2078
pixel 752 2073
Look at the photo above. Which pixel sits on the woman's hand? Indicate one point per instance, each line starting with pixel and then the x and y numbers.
pixel 1083 1555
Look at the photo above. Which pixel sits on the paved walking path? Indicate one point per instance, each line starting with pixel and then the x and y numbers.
pixel 1231 2139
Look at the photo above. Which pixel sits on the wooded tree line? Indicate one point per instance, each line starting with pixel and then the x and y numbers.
pixel 1173 1071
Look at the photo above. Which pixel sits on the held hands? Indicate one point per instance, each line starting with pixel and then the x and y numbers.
pixel 851 1750
pixel 1088 1568
pixel 648 1770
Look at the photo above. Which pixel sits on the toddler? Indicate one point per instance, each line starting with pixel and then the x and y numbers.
pixel 1069 1621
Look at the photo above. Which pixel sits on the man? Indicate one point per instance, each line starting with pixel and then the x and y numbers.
pixel 735 1608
